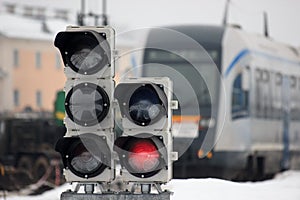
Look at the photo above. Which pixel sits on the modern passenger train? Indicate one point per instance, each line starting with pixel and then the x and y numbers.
pixel 254 104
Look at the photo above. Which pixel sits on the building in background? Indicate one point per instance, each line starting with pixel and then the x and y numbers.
pixel 31 69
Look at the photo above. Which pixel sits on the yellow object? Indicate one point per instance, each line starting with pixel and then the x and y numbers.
pixel 209 155
pixel 186 118
pixel 59 115
pixel 201 154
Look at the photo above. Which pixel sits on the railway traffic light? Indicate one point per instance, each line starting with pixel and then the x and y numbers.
pixel 145 147
pixel 86 149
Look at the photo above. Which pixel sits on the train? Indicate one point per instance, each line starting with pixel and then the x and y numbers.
pixel 239 90
pixel 27 154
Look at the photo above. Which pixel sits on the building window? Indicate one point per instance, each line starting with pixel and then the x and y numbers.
pixel 16 98
pixel 16 58
pixel 38 61
pixel 28 11
pixel 39 98
pixel 58 61
pixel 10 8
pixel 61 14
pixel 41 13
pixel 239 99
pixel 2 73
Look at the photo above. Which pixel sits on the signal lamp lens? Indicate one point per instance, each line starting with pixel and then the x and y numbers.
pixel 87 104
pixel 85 156
pixel 85 52
pixel 84 162
pixel 145 106
pixel 143 156
pixel 86 59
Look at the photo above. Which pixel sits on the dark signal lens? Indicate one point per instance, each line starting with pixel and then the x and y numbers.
pixel 144 106
pixel 85 60
pixel 86 156
pixel 143 156
pixel 85 52
pixel 87 104
pixel 83 161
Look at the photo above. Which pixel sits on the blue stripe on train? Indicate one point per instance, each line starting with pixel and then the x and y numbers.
pixel 245 52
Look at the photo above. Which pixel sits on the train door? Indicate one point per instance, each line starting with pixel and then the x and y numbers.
pixel 240 108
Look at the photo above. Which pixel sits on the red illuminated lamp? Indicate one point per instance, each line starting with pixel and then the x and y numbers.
pixel 143 156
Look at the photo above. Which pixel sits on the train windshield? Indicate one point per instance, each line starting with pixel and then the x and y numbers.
pixel 182 66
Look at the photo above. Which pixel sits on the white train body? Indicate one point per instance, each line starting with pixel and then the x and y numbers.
pixel 260 102
pixel 263 61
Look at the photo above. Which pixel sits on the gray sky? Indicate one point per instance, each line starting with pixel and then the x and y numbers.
pixel 284 15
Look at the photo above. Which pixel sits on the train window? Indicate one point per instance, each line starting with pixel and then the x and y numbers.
pixel 267 95
pixel 263 99
pixel 258 93
pixel 239 107
pixel 164 64
pixel 265 76
pixel 180 56
pixel 293 81
pixel 278 80
pixel 258 74
pixel 294 99
pixel 275 98
pixel 277 95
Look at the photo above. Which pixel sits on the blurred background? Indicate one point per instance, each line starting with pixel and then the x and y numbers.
pixel 32 73
pixel 31 69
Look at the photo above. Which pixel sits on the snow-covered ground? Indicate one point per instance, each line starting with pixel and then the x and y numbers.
pixel 285 186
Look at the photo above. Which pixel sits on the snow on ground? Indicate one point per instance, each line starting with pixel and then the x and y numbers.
pixel 285 186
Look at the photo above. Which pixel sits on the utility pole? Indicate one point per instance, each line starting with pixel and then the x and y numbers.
pixel 81 15
pixel 225 17
pixel 104 13
pixel 266 24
